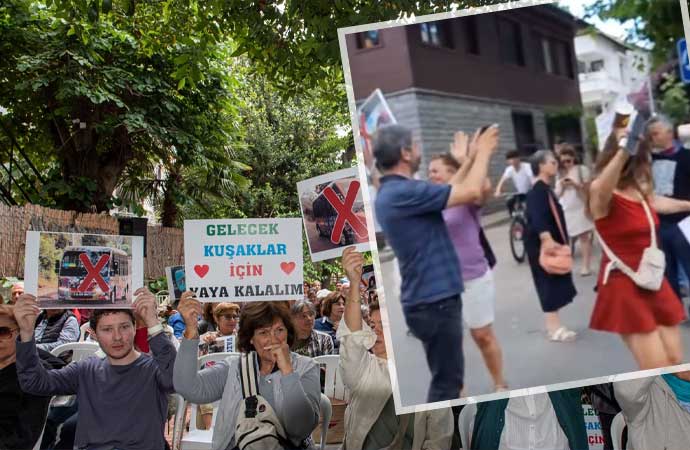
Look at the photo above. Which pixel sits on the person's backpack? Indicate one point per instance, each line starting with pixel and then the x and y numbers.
pixel 258 427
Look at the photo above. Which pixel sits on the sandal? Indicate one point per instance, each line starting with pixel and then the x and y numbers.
pixel 562 335
pixel 585 273
pixel 501 388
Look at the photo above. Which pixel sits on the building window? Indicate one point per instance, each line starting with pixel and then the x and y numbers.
pixel 597 65
pixel 565 66
pixel 471 35
pixel 547 56
pixel 435 34
pixel 523 124
pixel 581 66
pixel 369 39
pixel 510 41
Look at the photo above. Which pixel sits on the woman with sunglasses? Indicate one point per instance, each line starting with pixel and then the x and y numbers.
pixel 570 189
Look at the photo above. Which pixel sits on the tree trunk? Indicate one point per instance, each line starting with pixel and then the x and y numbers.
pixel 170 190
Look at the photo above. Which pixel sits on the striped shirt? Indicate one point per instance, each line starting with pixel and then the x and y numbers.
pixel 317 344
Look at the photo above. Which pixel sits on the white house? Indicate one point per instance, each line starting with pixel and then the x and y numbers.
pixel 608 68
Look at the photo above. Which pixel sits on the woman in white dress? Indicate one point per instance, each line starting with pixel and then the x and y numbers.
pixel 570 188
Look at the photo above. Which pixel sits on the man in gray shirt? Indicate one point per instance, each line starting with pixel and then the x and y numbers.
pixel 123 397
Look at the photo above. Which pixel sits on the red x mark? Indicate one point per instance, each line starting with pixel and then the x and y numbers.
pixel 93 273
pixel 344 211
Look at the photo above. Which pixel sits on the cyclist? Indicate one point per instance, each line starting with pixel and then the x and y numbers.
pixel 521 175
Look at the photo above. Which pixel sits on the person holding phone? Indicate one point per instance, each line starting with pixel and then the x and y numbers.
pixel 619 197
pixel 570 189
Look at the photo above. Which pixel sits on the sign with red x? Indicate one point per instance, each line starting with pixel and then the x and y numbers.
pixel 344 212
pixel 93 273
pixel 333 213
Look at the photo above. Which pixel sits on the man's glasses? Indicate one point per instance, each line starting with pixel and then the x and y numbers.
pixel 6 332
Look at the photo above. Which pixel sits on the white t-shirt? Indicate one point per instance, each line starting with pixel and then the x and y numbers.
pixel 522 178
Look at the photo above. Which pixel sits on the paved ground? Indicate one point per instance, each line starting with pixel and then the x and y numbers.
pixel 530 360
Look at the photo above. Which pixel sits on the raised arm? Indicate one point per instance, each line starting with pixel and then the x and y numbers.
pixel 33 377
pixel 633 397
pixel 439 429
pixel 352 265
pixel 667 205
pixel 163 351
pixel 467 188
pixel 602 187
pixel 205 386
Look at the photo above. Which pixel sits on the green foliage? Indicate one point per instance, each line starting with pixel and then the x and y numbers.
pixel 656 21
pixel 674 100
pixel 157 285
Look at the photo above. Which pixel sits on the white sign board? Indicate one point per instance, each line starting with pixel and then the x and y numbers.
pixel 244 259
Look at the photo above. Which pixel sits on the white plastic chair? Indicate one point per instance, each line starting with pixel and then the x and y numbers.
pixel 82 331
pixel 334 387
pixel 617 427
pixel 464 421
pixel 196 439
pixel 80 350
pixel 326 412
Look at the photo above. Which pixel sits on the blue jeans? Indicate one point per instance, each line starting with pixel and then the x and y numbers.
pixel 439 326
pixel 677 251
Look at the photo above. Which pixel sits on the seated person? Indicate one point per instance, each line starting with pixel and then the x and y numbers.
pixel 108 389
pixel 656 410
pixel 370 419
pixel 289 382
pixel 556 418
pixel 308 341
pixel 17 290
pixel 226 315
pixel 208 322
pixel 55 327
pixel 21 415
pixel 331 311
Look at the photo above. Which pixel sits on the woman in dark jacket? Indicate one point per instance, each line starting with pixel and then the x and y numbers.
pixel 554 291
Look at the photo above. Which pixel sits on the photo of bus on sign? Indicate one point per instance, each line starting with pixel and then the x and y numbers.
pixel 83 270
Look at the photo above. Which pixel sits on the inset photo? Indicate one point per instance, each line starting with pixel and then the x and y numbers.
pixel 530 196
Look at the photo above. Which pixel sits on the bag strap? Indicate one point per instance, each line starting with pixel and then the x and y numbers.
pixel 248 375
pixel 615 262
pixel 648 213
pixel 554 211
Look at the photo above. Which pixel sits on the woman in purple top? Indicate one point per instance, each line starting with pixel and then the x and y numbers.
pixel 479 296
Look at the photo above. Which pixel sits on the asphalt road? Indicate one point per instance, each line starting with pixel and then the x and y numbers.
pixel 530 360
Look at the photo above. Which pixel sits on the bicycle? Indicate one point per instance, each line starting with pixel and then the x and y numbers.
pixel 517 230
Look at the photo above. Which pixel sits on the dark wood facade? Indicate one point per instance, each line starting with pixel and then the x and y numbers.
pixel 525 55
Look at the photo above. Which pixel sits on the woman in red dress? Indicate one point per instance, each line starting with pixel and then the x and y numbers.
pixel 646 320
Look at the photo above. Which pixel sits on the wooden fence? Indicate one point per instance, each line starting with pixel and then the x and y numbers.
pixel 164 246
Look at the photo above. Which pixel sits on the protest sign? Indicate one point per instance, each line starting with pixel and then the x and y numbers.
pixel 74 270
pixel 368 282
pixel 595 435
pixel 372 114
pixel 176 282
pixel 244 259
pixel 333 213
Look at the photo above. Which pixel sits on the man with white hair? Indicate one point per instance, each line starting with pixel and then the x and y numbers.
pixel 671 171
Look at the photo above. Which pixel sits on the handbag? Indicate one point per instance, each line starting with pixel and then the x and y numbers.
pixel 650 272
pixel 558 261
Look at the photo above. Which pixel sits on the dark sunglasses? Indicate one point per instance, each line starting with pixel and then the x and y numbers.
pixel 6 332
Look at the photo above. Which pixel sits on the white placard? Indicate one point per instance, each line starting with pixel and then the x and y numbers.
pixel 333 213
pixel 75 270
pixel 595 435
pixel 684 226
pixel 244 259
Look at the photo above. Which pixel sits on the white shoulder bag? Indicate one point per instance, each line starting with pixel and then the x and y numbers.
pixel 650 273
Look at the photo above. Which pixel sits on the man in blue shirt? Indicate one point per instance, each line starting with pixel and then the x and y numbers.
pixel 410 213
pixel 671 171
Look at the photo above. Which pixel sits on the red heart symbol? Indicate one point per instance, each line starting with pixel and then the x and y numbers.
pixel 201 270
pixel 287 267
